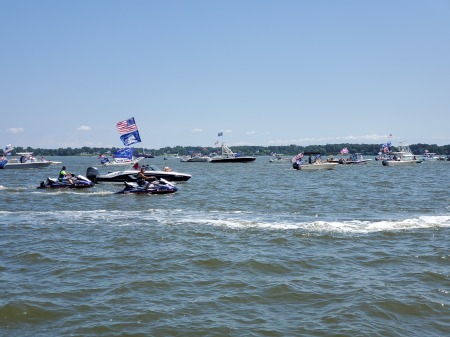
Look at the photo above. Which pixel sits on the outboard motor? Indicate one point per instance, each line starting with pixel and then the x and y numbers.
pixel 92 173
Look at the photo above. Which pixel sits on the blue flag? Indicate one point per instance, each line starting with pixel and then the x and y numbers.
pixel 125 153
pixel 130 138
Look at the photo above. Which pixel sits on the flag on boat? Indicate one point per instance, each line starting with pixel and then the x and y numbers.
pixel 220 134
pixel 297 157
pixel 125 153
pixel 130 138
pixel 126 126
pixel 344 150
pixel 104 160
pixel 3 162
pixel 7 150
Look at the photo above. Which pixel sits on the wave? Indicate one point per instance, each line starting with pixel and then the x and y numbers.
pixel 232 220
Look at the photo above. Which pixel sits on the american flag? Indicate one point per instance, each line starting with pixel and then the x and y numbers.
pixel 127 126
pixel 344 150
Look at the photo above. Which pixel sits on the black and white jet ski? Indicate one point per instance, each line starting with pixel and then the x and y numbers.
pixel 160 186
pixel 77 182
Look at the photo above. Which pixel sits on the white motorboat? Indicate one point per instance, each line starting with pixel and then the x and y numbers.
pixel 169 156
pixel 355 158
pixel 195 159
pixel 317 166
pixel 228 156
pixel 430 156
pixel 313 164
pixel 279 159
pixel 402 157
pixel 26 160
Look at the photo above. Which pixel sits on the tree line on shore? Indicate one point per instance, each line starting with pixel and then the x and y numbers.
pixel 287 150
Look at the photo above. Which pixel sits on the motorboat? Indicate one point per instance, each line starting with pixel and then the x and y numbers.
pixel 228 156
pixel 279 159
pixel 169 156
pixel 160 186
pixel 402 157
pixel 355 158
pixel 144 155
pixel 430 156
pixel 314 163
pixel 316 166
pixel 130 174
pixel 195 159
pixel 26 160
pixel 78 181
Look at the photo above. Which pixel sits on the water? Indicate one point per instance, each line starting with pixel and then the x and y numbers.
pixel 253 249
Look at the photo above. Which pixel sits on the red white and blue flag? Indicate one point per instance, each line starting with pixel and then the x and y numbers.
pixel 344 150
pixel 127 126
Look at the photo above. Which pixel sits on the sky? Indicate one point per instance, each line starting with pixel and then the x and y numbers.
pixel 264 73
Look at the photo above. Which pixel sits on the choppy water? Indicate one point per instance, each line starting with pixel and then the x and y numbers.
pixel 252 249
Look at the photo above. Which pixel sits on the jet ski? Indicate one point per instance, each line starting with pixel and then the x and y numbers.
pixel 130 175
pixel 77 182
pixel 160 186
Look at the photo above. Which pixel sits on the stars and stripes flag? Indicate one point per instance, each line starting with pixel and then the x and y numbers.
pixel 220 134
pixel 126 126
pixel 344 150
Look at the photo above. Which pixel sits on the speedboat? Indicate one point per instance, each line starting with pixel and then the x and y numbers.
pixel 195 159
pixel 279 159
pixel 26 160
pixel 130 175
pixel 355 158
pixel 156 187
pixel 77 182
pixel 402 157
pixel 313 164
pixel 169 156
pixel 229 156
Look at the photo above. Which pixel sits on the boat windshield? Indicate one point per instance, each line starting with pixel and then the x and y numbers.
pixel 152 168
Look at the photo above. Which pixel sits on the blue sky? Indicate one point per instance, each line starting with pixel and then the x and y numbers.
pixel 263 72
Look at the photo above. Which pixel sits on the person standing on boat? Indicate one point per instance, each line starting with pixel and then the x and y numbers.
pixel 63 175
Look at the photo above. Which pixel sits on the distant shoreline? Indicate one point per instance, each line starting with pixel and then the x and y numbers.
pixel 287 150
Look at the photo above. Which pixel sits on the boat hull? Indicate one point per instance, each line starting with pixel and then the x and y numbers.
pixel 195 160
pixel 398 162
pixel 27 165
pixel 131 175
pixel 316 167
pixel 219 159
